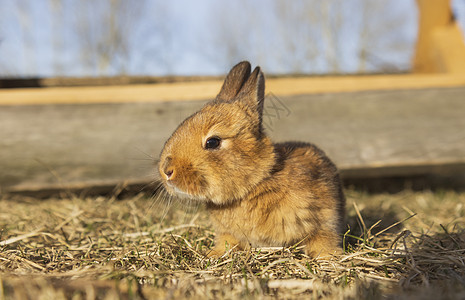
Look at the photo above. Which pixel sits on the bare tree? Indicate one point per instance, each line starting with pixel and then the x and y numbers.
pixel 57 38
pixel 279 33
pixel 331 25
pixel 299 36
pixel 312 36
pixel 104 30
pixel 24 17
pixel 4 69
pixel 380 36
pixel 231 34
pixel 296 28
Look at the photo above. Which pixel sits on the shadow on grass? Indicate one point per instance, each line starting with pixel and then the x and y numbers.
pixel 430 265
pixel 368 223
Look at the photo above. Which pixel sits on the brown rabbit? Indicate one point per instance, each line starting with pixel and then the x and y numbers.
pixel 257 193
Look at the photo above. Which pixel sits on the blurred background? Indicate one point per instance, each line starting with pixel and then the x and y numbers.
pixel 90 90
pixel 53 38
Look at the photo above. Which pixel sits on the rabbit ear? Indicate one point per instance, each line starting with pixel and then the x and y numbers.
pixel 234 81
pixel 252 95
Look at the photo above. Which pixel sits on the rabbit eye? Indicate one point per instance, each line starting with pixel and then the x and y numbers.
pixel 213 143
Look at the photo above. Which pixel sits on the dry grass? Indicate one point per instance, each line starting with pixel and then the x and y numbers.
pixel 102 248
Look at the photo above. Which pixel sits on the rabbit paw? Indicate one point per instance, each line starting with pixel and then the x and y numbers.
pixel 223 244
pixel 323 246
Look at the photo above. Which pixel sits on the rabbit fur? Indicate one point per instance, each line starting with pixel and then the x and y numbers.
pixel 257 193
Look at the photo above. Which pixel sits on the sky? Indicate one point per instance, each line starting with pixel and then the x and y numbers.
pixel 49 38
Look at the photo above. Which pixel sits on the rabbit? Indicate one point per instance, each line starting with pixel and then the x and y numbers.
pixel 257 194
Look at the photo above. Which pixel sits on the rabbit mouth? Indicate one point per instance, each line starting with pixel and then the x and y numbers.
pixel 175 191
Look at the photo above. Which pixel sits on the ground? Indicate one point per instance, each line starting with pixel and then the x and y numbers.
pixel 78 247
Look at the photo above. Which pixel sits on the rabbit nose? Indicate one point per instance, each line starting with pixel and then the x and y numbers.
pixel 168 169
pixel 168 172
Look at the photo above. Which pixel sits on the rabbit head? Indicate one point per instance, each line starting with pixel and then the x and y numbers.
pixel 220 153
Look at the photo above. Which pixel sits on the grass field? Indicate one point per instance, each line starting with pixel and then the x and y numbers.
pixel 136 248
